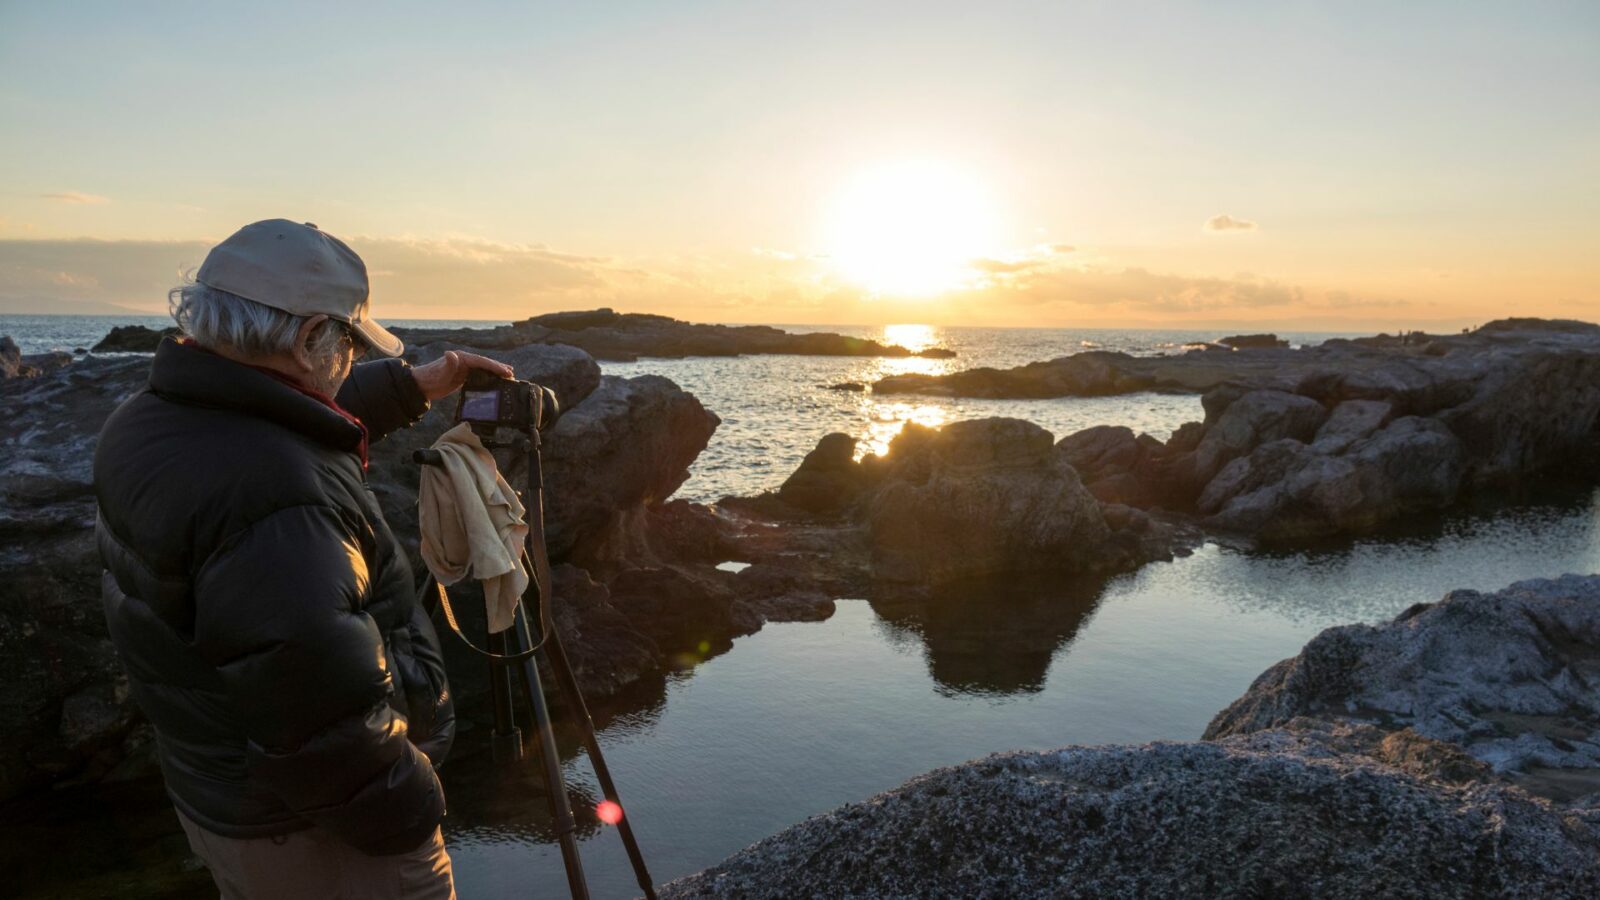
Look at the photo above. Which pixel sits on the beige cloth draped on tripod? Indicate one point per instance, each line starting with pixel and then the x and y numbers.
pixel 472 524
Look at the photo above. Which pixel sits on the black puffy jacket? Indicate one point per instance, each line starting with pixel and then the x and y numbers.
pixel 267 618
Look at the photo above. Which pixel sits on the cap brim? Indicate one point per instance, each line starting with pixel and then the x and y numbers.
pixel 379 339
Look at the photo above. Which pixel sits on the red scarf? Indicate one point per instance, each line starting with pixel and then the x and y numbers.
pixel 320 397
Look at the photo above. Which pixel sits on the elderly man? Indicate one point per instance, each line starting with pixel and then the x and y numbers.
pixel 267 617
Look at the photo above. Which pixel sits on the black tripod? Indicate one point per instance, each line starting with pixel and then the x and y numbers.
pixel 516 650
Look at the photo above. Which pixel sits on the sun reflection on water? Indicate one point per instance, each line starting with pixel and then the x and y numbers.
pixel 911 336
pixel 886 420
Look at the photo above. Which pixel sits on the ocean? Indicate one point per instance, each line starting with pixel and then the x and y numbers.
pixel 802 717
pixel 775 408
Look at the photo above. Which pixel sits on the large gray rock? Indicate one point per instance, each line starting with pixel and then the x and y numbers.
pixel 982 497
pixel 1253 419
pixel 628 445
pixel 1287 490
pixel 1349 422
pixel 1282 813
pixel 1509 676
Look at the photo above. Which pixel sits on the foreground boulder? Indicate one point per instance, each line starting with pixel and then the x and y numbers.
pixel 1282 813
pixel 1450 753
pixel 1509 677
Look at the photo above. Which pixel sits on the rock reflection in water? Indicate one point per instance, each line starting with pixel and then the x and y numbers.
pixel 993 636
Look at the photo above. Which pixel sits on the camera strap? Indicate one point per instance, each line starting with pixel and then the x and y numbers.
pixel 534 557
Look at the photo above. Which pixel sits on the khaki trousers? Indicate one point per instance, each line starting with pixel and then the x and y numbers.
pixel 315 864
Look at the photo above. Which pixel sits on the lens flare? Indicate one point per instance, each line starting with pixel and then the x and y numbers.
pixel 608 812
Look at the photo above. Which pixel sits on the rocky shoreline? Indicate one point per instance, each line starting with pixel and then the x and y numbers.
pixel 1296 443
pixel 1448 753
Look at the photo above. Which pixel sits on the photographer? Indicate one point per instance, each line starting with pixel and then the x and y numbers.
pixel 265 613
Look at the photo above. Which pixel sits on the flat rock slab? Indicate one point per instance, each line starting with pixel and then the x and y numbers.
pixel 1276 814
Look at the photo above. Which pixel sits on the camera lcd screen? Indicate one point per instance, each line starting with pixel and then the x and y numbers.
pixel 481 406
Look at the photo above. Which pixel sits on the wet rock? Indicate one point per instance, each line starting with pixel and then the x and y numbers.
pixel 624 337
pixel 855 387
pixel 828 479
pixel 10 358
pixel 981 497
pixel 13 364
pixel 61 704
pixel 1508 676
pixel 1277 813
pixel 607 651
pixel 133 339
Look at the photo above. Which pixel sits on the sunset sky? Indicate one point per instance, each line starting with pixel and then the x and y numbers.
pixel 1283 164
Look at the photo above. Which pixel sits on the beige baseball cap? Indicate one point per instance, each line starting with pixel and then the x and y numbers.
pixel 301 270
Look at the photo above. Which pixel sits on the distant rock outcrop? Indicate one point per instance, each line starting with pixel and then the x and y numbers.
pixel 133 339
pixel 1342 440
pixel 1450 753
pixel 1243 341
pixel 624 337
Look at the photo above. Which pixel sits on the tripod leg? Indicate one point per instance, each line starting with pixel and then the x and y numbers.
pixel 555 785
pixel 506 744
pixel 568 683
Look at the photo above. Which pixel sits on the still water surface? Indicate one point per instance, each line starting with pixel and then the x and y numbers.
pixel 800 718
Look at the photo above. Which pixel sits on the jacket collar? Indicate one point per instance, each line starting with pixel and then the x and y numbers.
pixel 191 375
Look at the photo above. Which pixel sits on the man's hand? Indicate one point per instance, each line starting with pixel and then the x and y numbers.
pixel 446 374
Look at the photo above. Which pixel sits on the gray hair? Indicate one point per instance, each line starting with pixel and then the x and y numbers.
pixel 218 318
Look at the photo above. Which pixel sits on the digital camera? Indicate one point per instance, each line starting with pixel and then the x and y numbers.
pixel 506 403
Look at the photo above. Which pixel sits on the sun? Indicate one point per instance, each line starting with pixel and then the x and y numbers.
pixel 909 228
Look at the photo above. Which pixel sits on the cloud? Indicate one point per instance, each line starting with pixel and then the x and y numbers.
pixel 1141 290
pixel 1062 248
pixel 76 197
pixel 1005 266
pixel 1228 223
